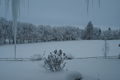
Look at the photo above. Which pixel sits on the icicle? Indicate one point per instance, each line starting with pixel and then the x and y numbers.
pixel 28 6
pixel 99 3
pixel 92 3
pixel 15 11
pixel 87 2
pixel 6 7
pixel 0 2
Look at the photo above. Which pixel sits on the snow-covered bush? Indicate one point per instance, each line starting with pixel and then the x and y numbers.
pixel 55 61
pixel 74 75
pixel 36 57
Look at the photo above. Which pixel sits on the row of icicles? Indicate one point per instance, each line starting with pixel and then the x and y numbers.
pixel 15 6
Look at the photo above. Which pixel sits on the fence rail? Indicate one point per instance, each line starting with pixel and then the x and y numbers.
pixel 30 59
pixel 15 59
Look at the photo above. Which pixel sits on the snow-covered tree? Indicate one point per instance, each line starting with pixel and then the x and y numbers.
pixel 96 33
pixel 89 31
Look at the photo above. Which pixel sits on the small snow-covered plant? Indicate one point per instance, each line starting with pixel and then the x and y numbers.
pixel 55 61
pixel 36 57
pixel 74 75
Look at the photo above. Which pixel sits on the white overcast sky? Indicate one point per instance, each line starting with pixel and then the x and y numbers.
pixel 70 12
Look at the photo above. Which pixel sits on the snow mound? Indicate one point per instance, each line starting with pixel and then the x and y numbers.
pixel 74 75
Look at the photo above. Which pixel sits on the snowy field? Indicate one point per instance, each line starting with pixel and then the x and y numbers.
pixel 91 69
pixel 78 49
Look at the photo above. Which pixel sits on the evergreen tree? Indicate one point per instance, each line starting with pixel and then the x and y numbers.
pixel 89 31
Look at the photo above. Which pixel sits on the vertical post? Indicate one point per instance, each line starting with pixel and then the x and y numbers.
pixel 15 30
pixel 105 53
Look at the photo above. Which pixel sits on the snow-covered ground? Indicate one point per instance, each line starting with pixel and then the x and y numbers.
pixel 82 48
pixel 91 69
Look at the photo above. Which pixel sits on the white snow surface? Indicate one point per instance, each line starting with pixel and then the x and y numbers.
pixel 82 48
pixel 91 69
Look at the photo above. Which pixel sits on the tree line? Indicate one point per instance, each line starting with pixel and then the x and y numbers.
pixel 29 33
